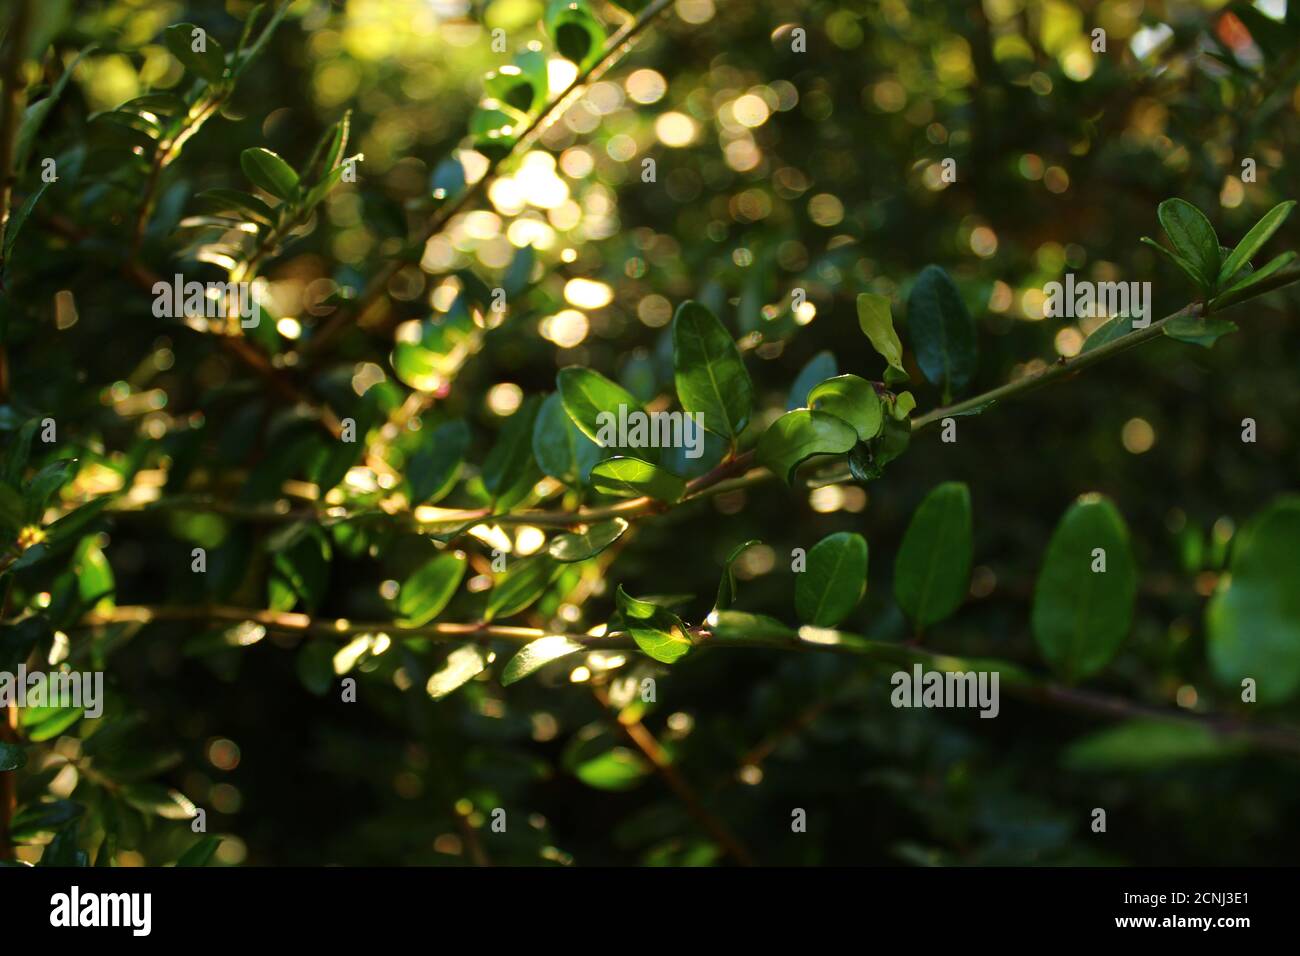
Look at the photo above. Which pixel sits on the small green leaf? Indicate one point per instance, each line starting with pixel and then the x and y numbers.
pixel 1193 239
pixel 727 586
pixel 710 374
pixel 46 484
pixel 797 436
pixel 461 666
pixel 589 543
pixel 852 399
pixel 742 627
pixel 1254 240
pixel 632 478
pixel 1247 280
pixel 877 322
pixel 834 580
pixel 224 201
pixel 300 573
pixel 932 568
pixel 521 585
pixel 575 31
pixel 1188 268
pixel 617 769
pixel 1082 613
pixel 1145 746
pixel 268 171
pixel 1112 329
pixel 1198 330
pixel 537 654
pixel 436 463
pixel 561 449
pixel 588 397
pixel 657 631
pixel 315 666
pixel 201 853
pixel 209 63
pixel 428 590
pixel 942 331
pixel 1253 621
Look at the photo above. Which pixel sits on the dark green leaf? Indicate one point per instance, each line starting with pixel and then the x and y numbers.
pixel 1253 621
pixel 201 853
pixel 710 374
pixel 268 171
pixel 833 583
pixel 932 568
pixel 942 330
pixel 510 461
pixel 426 592
pixel 1145 746
pixel 1198 330
pixel 1192 237
pixel 436 463
pixel 561 449
pixel 657 631
pixel 208 63
pixel 521 585
pixel 1081 615
pixel 1254 240
pixel 588 397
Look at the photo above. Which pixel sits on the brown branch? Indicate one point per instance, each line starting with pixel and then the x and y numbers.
pixel 637 734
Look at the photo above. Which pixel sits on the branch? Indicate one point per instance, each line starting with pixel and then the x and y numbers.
pixel 616 47
pixel 11 109
pixel 1017 682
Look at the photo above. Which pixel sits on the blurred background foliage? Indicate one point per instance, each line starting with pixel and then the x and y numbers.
pixel 774 170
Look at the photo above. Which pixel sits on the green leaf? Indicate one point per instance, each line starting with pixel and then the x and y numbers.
pixel 300 573
pixel 510 463
pixel 742 627
pixel 575 31
pixel 1254 240
pixel 942 330
pixel 1193 239
pixel 657 631
pixel 268 171
pixel 1198 330
pixel 208 63
pixel 561 449
pixel 201 853
pixel 617 769
pixel 461 666
pixel 436 463
pixel 161 801
pixel 43 817
pixel 596 538
pixel 877 322
pixel 1146 745
pixel 727 586
pixel 1081 615
pixel 46 484
pixel 1252 622
pixel 426 592
pixel 12 756
pixel 521 585
pixel 36 113
pixel 632 478
pixel 315 666
pixel 833 583
pixel 587 396
pixel 819 368
pixel 932 568
pixel 797 436
pixel 1247 280
pixel 537 654
pixel 1112 329
pixel 224 201
pixel 17 220
pixel 851 399
pixel 710 374
pixel 1189 269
